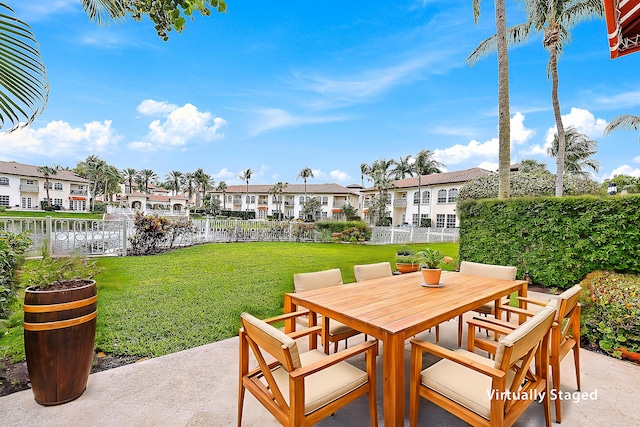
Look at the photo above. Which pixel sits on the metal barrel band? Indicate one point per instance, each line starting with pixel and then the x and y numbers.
pixel 60 324
pixel 60 307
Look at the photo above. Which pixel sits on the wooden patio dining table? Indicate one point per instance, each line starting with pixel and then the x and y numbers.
pixel 393 309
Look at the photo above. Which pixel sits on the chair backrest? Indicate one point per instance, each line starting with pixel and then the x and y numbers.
pixel 488 270
pixel 317 280
pixel 372 271
pixel 273 341
pixel 567 302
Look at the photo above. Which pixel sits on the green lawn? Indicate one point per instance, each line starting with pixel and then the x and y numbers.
pixel 156 305
pixel 54 214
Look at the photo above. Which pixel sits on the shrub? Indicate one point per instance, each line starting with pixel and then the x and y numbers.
pixel 12 249
pixel 153 232
pixel 611 311
pixel 50 270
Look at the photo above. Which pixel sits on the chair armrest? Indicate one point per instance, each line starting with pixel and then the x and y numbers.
pixel 517 310
pixel 304 332
pixel 369 346
pixel 493 325
pixel 286 316
pixel 445 353
pixel 534 301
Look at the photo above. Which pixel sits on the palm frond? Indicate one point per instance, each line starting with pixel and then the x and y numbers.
pixel 24 89
pixel 517 34
pixel 104 11
pixel 581 11
pixel 624 122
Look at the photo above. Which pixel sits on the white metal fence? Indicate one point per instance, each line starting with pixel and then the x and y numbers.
pixel 111 237
pixel 386 235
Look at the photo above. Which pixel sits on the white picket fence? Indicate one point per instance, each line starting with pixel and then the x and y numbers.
pixel 95 237
pixel 404 235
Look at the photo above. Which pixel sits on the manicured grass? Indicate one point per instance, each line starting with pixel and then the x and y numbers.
pixel 54 214
pixel 161 304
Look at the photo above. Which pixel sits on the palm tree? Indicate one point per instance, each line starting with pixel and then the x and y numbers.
pixel 246 176
pixel 403 168
pixel 554 19
pixel 304 174
pixel 625 121
pixel 92 169
pixel 278 191
pixel 47 171
pixel 189 185
pixel 25 90
pixel 504 118
pixel 129 174
pixel 174 181
pixel 202 183
pixel 148 177
pixel 112 179
pixel 222 186
pixel 365 169
pixel 425 164
pixel 578 151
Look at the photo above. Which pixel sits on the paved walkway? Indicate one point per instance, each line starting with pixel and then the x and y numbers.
pixel 199 387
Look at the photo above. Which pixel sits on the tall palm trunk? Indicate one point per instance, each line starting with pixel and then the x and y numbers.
pixel 551 43
pixel 504 124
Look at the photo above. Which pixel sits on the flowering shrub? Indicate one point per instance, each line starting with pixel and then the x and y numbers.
pixel 611 311
pixel 154 232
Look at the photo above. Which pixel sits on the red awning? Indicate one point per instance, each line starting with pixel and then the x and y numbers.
pixel 623 26
pixel 263 208
pixel 77 198
pixel 336 210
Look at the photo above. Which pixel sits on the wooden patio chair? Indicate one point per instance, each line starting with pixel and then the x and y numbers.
pixel 485 270
pixel 334 331
pixel 364 272
pixel 301 388
pixel 565 334
pixel 481 391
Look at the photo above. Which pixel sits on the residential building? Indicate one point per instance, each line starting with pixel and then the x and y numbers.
pixel 436 199
pixel 23 187
pixel 257 198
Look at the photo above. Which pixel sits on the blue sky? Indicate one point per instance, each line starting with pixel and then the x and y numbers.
pixel 277 87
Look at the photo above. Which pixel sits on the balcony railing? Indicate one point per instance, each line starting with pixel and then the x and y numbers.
pixel 78 192
pixel 30 188
pixel 400 203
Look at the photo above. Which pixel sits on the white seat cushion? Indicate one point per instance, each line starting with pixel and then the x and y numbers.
pixel 467 387
pixel 325 386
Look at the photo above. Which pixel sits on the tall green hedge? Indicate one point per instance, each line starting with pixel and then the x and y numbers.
pixel 556 240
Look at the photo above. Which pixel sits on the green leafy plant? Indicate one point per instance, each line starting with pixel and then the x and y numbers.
pixel 12 249
pixel 49 271
pixel 406 259
pixel 611 311
pixel 430 258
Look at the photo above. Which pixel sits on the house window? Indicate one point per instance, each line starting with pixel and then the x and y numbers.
pixel 451 221
pixel 251 199
pixel 302 200
pixel 388 198
pixel 426 196
pixel 324 214
pixel 416 198
pixel 262 214
pixel 57 186
pixel 80 187
pixel 4 200
pixel 442 196
pixel 325 201
pixel 4 180
pixel 440 220
pixel 453 195
pixel 229 198
pixel 30 182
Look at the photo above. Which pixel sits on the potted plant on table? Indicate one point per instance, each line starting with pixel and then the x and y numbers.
pixel 406 260
pixel 431 260
pixel 60 309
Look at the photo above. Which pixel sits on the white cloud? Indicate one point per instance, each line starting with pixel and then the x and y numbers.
pixel 627 99
pixel 223 174
pixel 490 166
pixel 463 153
pixel 625 170
pixel 583 120
pixel 339 175
pixel 180 125
pixel 274 118
pixel 520 134
pixel 59 138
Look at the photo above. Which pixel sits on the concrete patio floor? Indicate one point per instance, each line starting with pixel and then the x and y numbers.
pixel 199 387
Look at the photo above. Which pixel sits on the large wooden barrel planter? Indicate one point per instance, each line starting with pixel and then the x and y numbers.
pixel 59 339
